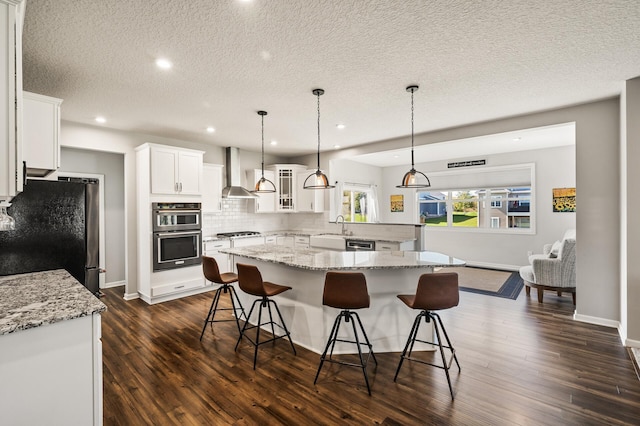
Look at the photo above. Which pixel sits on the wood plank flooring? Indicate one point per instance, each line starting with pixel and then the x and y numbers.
pixel 522 364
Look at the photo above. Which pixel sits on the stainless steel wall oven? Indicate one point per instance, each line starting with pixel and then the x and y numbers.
pixel 177 235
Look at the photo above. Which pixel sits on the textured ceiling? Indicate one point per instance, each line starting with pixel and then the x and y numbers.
pixel 474 61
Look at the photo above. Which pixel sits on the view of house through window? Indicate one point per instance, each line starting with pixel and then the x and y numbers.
pixel 493 208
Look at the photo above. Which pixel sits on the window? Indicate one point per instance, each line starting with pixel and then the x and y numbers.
pixel 358 203
pixel 487 208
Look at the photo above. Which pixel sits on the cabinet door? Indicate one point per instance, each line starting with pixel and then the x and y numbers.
pixel 164 171
pixel 285 241
pixel 285 188
pixel 10 99
pixel 40 134
pixel 189 173
pixel 265 203
pixel 211 188
pixel 308 200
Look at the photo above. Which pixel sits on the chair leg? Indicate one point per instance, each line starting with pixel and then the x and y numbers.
pixel 527 289
pixel 444 360
pixel 212 310
pixel 540 293
pixel 410 340
pixel 273 330
pixel 232 294
pixel 255 350
pixel 362 363
pixel 573 295
pixel 246 323
pixel 446 336
pixel 331 342
pixel 366 338
pixel 286 330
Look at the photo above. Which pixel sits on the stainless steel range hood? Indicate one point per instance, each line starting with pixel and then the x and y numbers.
pixel 234 188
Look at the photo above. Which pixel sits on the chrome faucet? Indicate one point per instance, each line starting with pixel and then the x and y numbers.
pixel 338 217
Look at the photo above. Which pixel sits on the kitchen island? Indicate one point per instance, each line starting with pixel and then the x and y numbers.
pixel 388 273
pixel 50 350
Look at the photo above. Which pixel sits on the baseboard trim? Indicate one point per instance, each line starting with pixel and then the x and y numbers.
pixel 631 343
pixel 131 296
pixel 597 321
pixel 115 284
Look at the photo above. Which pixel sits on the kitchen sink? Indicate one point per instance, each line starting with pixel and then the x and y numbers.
pixel 328 241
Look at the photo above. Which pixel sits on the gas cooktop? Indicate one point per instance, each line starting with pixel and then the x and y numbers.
pixel 236 234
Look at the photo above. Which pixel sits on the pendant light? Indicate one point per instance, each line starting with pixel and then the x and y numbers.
pixel 263 186
pixel 414 178
pixel 317 180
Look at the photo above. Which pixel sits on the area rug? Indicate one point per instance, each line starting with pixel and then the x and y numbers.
pixel 490 282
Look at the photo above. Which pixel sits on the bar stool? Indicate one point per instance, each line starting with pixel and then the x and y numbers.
pixel 435 292
pixel 346 291
pixel 250 281
pixel 212 273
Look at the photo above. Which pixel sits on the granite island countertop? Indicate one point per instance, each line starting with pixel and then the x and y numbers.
pixel 322 260
pixel 40 298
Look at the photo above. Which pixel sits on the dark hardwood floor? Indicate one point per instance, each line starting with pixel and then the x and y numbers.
pixel 522 364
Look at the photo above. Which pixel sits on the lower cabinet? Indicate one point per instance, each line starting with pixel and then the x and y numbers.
pixel 222 259
pixel 52 375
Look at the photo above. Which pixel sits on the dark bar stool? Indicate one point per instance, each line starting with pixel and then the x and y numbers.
pixel 347 291
pixel 250 281
pixel 212 273
pixel 435 292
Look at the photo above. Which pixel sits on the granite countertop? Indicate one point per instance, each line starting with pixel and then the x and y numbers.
pixel 322 260
pixel 40 298
pixel 307 233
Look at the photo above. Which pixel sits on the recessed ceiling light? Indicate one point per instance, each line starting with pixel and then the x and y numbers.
pixel 340 126
pixel 101 120
pixel 210 129
pixel 274 142
pixel 336 147
pixel 165 64
pixel 517 139
pixel 396 156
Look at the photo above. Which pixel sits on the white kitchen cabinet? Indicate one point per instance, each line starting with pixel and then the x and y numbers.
pixel 308 200
pixel 211 249
pixel 175 170
pixel 393 246
pixel 11 165
pixel 211 188
pixel 286 185
pixel 52 374
pixel 285 240
pixel 248 241
pixel 271 239
pixel 265 203
pixel 41 135
pixel 301 241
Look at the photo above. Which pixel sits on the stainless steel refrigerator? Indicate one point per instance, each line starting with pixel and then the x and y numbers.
pixel 57 227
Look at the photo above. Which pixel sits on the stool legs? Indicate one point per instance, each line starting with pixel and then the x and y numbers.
pixel 264 302
pixel 333 338
pixel 437 323
pixel 214 308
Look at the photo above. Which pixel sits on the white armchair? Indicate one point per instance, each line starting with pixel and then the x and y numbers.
pixel 555 269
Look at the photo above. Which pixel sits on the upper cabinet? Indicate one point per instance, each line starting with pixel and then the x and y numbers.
pixel 309 200
pixel 211 188
pixel 11 166
pixel 265 203
pixel 286 185
pixel 40 134
pixel 176 171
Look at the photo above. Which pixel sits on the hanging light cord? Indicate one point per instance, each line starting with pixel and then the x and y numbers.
pixel 412 164
pixel 318 95
pixel 262 117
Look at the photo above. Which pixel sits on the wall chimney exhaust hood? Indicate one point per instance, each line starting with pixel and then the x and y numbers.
pixel 234 188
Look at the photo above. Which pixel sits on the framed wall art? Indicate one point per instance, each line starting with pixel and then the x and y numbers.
pixel 564 200
pixel 397 203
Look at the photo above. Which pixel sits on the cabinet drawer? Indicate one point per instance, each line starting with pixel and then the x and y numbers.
pixel 272 239
pixel 210 246
pixel 176 287
pixel 387 246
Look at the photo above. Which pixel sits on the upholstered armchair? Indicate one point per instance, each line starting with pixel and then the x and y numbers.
pixel 555 269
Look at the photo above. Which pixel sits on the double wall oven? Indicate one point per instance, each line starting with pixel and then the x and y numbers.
pixel 177 235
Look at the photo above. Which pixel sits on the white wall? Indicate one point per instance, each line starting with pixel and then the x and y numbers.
pixel 554 168
pixel 112 167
